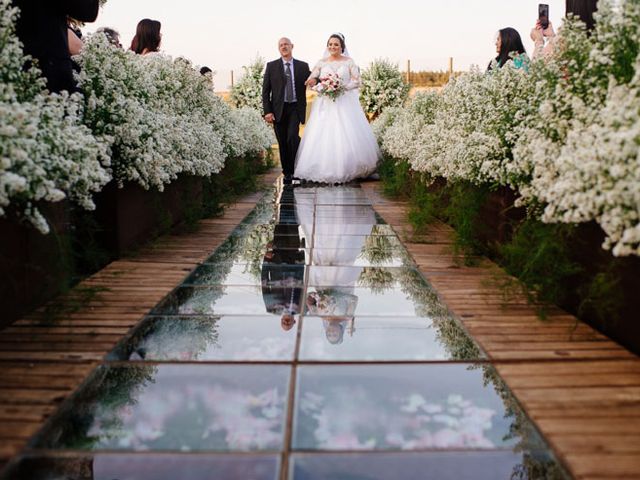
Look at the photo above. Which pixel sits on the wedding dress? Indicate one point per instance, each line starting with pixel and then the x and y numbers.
pixel 338 144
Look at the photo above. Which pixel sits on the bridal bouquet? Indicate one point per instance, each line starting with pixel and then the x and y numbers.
pixel 330 86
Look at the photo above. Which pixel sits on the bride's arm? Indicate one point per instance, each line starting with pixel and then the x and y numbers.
pixel 354 74
pixel 314 76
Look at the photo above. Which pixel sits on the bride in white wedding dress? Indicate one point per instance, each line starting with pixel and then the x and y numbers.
pixel 338 144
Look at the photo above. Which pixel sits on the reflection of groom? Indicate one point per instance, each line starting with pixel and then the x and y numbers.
pixel 283 265
pixel 284 102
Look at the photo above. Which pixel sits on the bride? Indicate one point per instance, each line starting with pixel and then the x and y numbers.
pixel 338 144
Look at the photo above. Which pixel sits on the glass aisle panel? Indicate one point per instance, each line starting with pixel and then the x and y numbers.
pixel 307 346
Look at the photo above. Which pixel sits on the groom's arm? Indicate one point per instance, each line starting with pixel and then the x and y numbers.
pixel 267 106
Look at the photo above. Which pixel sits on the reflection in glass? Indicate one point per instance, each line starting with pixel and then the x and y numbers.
pixel 341 195
pixel 147 467
pixel 232 274
pixel 398 407
pixel 283 266
pixel 491 465
pixel 226 300
pixel 375 339
pixel 175 407
pixel 207 338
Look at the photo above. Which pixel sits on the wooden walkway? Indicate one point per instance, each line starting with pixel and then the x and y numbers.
pixel 581 389
pixel 43 361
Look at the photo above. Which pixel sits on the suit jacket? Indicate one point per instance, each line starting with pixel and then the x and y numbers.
pixel 42 28
pixel 274 84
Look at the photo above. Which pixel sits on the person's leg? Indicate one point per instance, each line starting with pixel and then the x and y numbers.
pixel 280 129
pixel 293 137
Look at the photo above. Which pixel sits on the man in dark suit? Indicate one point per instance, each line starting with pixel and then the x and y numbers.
pixel 284 102
pixel 42 28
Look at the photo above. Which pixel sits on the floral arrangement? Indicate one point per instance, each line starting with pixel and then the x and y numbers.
pixel 46 153
pixel 382 87
pixel 565 135
pixel 247 92
pixel 143 119
pixel 330 86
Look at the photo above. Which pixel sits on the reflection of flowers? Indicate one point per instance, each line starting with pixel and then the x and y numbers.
pixel 196 301
pixel 176 339
pixel 378 280
pixel 332 302
pixel 377 249
pixel 205 416
pixel 351 420
pixel 449 330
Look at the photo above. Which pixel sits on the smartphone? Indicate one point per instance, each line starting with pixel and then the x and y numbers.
pixel 543 15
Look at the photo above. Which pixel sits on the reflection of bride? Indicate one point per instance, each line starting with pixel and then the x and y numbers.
pixel 338 144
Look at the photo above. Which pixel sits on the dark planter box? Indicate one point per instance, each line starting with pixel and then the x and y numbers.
pixel 131 216
pixel 499 216
pixel 33 267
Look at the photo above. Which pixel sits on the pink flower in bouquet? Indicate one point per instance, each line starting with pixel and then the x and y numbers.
pixel 330 86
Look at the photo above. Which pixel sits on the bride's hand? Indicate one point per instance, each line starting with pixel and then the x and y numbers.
pixel 311 82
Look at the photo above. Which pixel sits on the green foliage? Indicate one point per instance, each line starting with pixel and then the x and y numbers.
pixel 463 213
pixel 239 176
pixel 426 206
pixel 602 297
pixel 539 255
pixel 395 176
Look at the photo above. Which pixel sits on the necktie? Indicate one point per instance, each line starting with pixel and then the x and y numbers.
pixel 288 89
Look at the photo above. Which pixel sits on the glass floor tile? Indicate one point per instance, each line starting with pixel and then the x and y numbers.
pixel 226 408
pixel 313 281
pixel 375 278
pixel 384 339
pixel 406 407
pixel 285 238
pixel 232 300
pixel 360 301
pixel 360 257
pixel 147 467
pixel 266 254
pixel 372 240
pixel 228 338
pixel 470 465
pixel 259 232
pixel 345 211
pixel 259 273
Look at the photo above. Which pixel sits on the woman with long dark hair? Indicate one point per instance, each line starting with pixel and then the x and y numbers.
pixel 147 38
pixel 509 47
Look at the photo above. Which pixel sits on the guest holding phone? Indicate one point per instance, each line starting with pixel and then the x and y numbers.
pixel 544 37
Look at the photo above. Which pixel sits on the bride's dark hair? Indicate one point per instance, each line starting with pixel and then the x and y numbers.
pixel 340 39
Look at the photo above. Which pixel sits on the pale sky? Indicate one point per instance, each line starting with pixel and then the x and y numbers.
pixel 227 35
